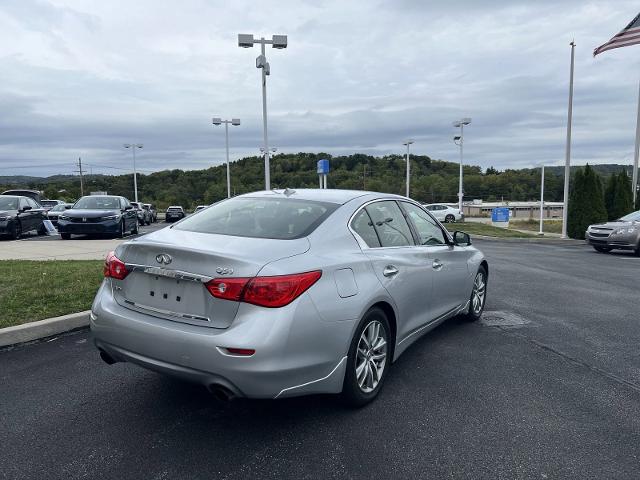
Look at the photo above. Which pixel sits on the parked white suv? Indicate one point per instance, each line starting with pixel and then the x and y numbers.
pixel 444 213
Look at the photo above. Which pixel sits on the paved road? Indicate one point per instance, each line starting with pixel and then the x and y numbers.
pixel 143 229
pixel 554 395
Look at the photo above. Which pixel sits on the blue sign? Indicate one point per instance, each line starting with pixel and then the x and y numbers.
pixel 323 166
pixel 500 214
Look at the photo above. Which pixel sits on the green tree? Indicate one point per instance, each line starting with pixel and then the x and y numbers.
pixel 586 202
pixel 624 196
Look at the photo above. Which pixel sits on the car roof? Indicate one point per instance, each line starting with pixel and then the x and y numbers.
pixel 316 194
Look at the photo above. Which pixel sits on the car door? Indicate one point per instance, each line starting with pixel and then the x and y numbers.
pixel 129 216
pixel 25 216
pixel 39 214
pixel 447 261
pixel 402 268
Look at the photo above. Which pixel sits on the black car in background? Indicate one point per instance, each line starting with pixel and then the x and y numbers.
pixel 99 215
pixel 55 212
pixel 19 214
pixel 33 194
pixel 174 212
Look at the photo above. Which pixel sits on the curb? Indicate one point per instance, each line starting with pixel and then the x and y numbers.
pixel 43 328
pixel 548 240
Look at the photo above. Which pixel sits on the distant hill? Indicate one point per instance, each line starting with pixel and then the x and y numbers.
pixel 431 180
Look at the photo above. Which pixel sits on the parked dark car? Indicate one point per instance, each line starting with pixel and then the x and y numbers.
pixel 49 204
pixel 174 212
pixel 144 217
pixel 55 212
pixel 152 210
pixel 19 214
pixel 34 194
pixel 99 214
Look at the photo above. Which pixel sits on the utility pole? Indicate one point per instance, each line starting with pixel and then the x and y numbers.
pixel 81 179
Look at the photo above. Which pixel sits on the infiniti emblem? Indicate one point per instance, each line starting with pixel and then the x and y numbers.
pixel 163 258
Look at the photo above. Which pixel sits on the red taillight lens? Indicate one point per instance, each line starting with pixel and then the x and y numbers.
pixel 273 292
pixel 227 288
pixel 114 267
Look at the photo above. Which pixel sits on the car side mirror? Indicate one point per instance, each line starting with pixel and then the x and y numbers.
pixel 129 207
pixel 461 238
pixel 25 208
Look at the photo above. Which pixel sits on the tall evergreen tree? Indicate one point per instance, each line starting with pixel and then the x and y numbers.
pixel 586 202
pixel 610 195
pixel 624 195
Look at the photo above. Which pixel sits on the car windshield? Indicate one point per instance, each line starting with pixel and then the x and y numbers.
pixel 277 218
pixel 48 203
pixel 632 217
pixel 98 203
pixel 58 208
pixel 8 203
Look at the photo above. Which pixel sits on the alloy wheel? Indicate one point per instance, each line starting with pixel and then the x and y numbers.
pixel 371 356
pixel 479 291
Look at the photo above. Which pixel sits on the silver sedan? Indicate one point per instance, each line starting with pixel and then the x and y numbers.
pixel 284 293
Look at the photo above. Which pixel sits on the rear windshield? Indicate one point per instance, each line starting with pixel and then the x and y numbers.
pixel 277 218
pixel 98 203
pixel 48 203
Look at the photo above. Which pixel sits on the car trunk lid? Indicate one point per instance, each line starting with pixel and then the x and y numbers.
pixel 169 269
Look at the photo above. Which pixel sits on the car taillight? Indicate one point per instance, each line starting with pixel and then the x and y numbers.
pixel 275 291
pixel 114 267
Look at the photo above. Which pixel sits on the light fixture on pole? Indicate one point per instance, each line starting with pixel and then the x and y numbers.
pixel 277 41
pixel 234 122
pixel 459 140
pixel 407 143
pixel 133 147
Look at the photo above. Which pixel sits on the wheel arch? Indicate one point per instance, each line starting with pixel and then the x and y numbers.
pixel 391 317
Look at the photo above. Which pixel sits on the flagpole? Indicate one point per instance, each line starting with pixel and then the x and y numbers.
pixel 567 160
pixel 634 181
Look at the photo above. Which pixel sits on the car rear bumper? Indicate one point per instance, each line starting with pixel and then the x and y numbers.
pixel 296 352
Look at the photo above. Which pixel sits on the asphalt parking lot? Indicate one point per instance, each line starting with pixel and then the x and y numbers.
pixel 143 229
pixel 547 386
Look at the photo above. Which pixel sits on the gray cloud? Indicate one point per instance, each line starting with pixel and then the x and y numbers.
pixel 81 78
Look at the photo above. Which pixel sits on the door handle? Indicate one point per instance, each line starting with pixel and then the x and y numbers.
pixel 437 264
pixel 390 271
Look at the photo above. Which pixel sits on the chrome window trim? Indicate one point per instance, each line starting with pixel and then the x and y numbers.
pixel 363 245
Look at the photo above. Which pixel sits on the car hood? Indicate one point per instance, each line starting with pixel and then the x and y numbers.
pixel 8 212
pixel 614 224
pixel 90 213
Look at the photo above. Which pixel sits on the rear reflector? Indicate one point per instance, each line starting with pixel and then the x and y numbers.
pixel 114 267
pixel 244 352
pixel 273 292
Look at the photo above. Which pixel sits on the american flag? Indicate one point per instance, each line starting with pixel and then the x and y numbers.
pixel 629 35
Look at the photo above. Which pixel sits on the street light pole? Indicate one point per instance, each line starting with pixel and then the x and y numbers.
pixel 460 123
pixel 235 122
pixel 277 41
pixel 541 232
pixel 407 143
pixel 133 147
pixel 567 159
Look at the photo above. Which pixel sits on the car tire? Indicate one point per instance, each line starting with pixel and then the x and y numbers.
pixel 357 390
pixel 637 250
pixel 478 297
pixel 16 231
pixel 449 219
pixel 121 232
pixel 42 230
pixel 65 236
pixel 601 249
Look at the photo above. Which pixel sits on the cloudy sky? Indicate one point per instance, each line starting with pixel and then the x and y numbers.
pixel 79 78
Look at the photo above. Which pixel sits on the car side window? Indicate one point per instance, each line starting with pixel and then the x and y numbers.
pixel 428 230
pixel 32 203
pixel 23 203
pixel 389 224
pixel 363 226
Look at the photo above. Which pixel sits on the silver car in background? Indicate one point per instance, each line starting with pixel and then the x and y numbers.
pixel 623 234
pixel 285 293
